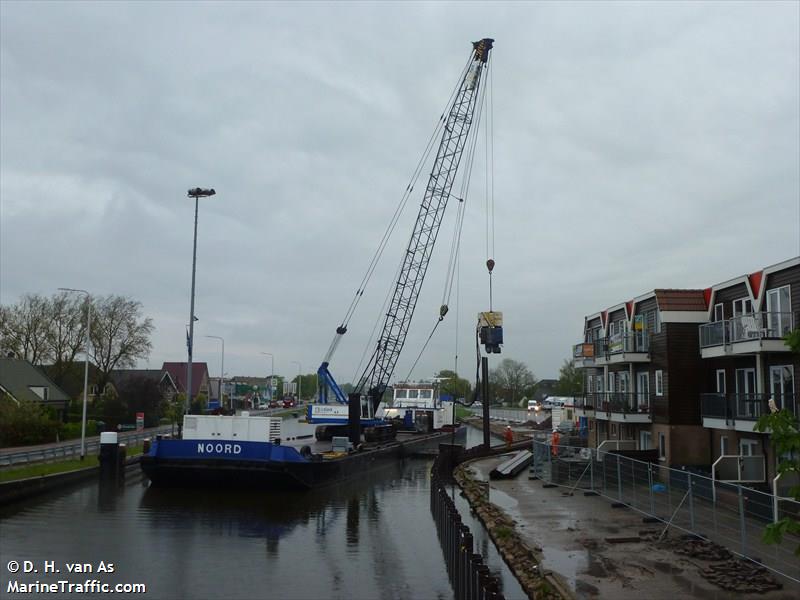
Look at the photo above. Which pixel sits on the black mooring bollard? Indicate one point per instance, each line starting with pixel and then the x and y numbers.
pixel 109 449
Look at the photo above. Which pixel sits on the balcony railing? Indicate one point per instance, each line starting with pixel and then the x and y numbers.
pixel 745 407
pixel 635 403
pixel 743 328
pixel 636 341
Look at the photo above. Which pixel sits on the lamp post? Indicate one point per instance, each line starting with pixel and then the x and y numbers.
pixel 299 368
pixel 272 375
pixel 221 368
pixel 195 193
pixel 86 364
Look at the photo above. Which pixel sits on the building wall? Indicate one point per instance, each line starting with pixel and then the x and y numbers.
pixel 684 362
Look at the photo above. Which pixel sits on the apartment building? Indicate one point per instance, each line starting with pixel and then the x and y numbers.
pixel 642 376
pixel 689 372
pixel 747 363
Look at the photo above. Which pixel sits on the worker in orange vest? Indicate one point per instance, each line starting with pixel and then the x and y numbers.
pixel 509 435
pixel 556 440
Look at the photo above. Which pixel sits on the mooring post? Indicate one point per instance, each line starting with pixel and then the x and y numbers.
pixel 485 400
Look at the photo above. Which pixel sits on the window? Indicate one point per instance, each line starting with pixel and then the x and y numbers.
pixel 779 308
pixel 611 382
pixel 658 321
pixel 719 312
pixel 749 447
pixel 662 446
pixel 426 394
pixel 599 381
pixel 742 306
pixel 400 393
pixel 41 391
pixel 413 393
pixel 645 440
pixel 723 445
pixel 659 383
pixel 614 429
pixel 720 381
pixel 590 384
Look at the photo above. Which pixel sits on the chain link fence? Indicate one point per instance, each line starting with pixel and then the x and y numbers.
pixel 730 515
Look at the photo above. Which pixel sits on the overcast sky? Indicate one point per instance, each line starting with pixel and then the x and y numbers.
pixel 636 146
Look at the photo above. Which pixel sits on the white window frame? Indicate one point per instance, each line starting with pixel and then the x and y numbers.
pixel 590 384
pixel 722 381
pixel 723 445
pixel 719 315
pixel 782 313
pixel 659 382
pixel 645 435
pixel 662 446
pixel 742 306
pixel 751 445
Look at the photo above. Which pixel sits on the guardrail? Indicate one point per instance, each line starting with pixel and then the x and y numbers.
pixel 64 451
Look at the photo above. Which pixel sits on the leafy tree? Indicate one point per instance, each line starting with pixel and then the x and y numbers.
pixel 512 380
pixel 113 409
pixel 570 379
pixel 142 394
pixel 23 422
pixel 120 335
pixel 784 429
pixel 453 385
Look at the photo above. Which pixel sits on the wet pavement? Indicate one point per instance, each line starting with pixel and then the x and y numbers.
pixel 572 532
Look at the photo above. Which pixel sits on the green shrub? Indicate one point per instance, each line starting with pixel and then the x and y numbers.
pixel 23 423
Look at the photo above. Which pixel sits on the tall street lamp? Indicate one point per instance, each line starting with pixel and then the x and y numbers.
pixel 195 193
pixel 221 368
pixel 272 375
pixel 86 364
pixel 299 368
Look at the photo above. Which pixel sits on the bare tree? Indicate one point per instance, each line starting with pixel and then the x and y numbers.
pixel 66 334
pixel 120 335
pixel 24 328
pixel 512 379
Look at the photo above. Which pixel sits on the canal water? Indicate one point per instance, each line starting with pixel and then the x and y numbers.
pixel 369 538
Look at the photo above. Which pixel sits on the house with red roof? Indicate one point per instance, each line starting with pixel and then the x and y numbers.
pixel 200 379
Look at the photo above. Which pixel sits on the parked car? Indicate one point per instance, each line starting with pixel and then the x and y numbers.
pixel 273 404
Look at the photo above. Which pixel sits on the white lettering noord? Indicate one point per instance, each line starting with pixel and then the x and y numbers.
pixel 218 448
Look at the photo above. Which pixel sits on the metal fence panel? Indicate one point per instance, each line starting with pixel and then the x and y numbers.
pixel 731 515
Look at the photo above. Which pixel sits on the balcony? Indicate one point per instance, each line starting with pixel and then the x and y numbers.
pixel 628 407
pixel 583 354
pixel 585 405
pixel 740 411
pixel 746 334
pixel 623 348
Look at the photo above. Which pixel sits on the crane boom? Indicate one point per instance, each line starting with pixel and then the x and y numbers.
pixel 375 378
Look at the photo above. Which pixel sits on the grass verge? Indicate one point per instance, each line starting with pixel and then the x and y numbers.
pixel 51 468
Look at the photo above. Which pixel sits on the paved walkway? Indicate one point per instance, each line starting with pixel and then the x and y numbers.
pixel 573 531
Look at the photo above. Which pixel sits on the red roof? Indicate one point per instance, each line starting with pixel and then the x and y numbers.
pixel 177 371
pixel 686 300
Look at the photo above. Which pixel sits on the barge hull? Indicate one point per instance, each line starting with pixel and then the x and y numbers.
pixel 165 471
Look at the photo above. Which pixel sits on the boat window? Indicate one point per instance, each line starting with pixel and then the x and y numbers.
pixel 413 393
pixel 427 394
pixel 400 393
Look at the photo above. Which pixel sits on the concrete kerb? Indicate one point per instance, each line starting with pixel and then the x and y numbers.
pixel 523 561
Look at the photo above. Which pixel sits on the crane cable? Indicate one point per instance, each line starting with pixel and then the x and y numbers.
pixel 342 329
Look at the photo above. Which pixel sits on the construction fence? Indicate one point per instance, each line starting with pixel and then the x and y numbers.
pixel 731 515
